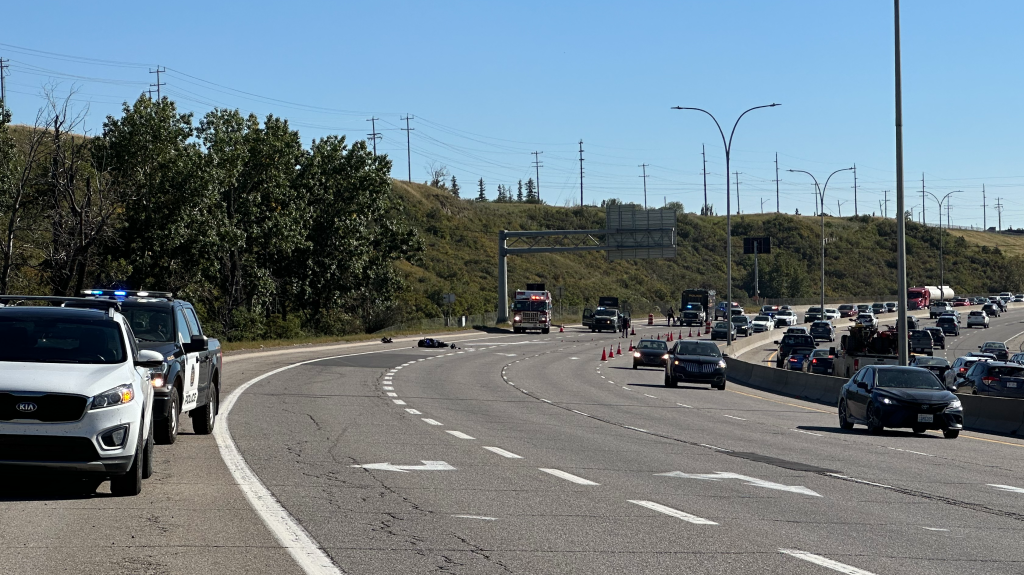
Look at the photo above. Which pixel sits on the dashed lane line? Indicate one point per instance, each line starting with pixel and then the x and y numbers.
pixel 825 562
pixel 568 476
pixel 502 452
pixel 398 402
pixel 431 421
pixel 414 411
pixel 459 434
pixel 733 417
pixel 672 512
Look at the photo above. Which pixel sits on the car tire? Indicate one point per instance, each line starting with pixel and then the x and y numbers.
pixel 205 418
pixel 546 330
pixel 147 462
pixel 167 429
pixel 844 421
pixel 951 433
pixel 670 381
pixel 130 484
pixel 634 365
pixel 874 424
pixel 720 386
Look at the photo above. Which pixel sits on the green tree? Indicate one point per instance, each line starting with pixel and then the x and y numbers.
pixel 531 192
pixel 482 195
pixel 455 187
pixel 519 194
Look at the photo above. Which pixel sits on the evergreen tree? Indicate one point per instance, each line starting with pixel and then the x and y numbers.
pixel 455 187
pixel 482 196
pixel 519 196
pixel 531 191
pixel 501 194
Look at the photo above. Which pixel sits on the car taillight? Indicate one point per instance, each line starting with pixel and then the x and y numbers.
pixel 963 369
pixel 814 361
pixel 989 379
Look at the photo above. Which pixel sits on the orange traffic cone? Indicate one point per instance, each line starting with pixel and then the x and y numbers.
pixel 691 333
pixel 619 350
pixel 631 345
pixel 670 336
pixel 680 334
pixel 603 356
pixel 561 329
pixel 658 336
pixel 632 331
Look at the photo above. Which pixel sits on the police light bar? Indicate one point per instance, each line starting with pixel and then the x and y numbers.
pixel 127 293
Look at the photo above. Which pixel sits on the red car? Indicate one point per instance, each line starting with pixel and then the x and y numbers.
pixel 961 302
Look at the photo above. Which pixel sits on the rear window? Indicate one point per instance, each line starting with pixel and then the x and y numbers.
pixel 993 345
pixel 1006 371
pixel 946 319
pixel 821 324
pixel 61 341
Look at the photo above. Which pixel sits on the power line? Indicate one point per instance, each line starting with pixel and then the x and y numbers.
pixel 408 142
pixel 537 166
pixel 644 176
pixel 158 71
pixel 374 134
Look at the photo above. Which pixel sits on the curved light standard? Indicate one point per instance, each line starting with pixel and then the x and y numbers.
pixel 942 268
pixel 821 196
pixel 728 208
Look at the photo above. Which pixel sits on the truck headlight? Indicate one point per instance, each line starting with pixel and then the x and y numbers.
pixel 156 377
pixel 517 318
pixel 721 363
pixel 117 396
pixel 636 354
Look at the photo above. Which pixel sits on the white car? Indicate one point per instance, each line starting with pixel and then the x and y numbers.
pixel 831 313
pixel 76 394
pixel 785 317
pixel 762 323
pixel 977 319
pixel 867 319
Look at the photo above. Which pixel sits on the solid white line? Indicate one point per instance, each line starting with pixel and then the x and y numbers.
pixel 581 413
pixel 683 405
pixel 398 402
pixel 546 400
pixel 649 395
pixel 568 476
pixel 502 452
pixel 825 562
pixel 909 451
pixel 860 480
pixel 734 417
pixel 808 432
pixel 1009 488
pixel 414 411
pixel 934 529
pixel 673 512
pixel 431 421
pixel 634 428
pixel 476 517
pixel 713 447
pixel 459 434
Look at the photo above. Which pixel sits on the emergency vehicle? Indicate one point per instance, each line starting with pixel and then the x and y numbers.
pixel 531 310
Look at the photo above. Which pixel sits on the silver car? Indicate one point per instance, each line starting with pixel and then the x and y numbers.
pixel 977 319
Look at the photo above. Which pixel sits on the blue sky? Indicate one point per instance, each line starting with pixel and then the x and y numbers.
pixel 490 82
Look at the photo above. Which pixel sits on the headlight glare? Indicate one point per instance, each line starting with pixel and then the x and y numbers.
pixel 636 354
pixel 955 404
pixel 117 396
pixel 887 401
pixel 721 363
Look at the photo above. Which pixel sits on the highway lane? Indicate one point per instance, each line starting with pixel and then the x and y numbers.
pixel 495 513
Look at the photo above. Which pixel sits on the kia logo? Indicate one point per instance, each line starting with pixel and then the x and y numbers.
pixel 26 407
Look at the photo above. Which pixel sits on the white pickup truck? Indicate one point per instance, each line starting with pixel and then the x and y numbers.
pixel 938 308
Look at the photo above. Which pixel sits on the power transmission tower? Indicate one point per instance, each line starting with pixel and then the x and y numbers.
pixel 158 71
pixel 644 168
pixel 705 172
pixel 855 212
pixel 537 166
pixel 581 173
pixel 984 223
pixel 923 223
pixel 408 142
pixel 3 78
pixel 374 134
pixel 738 210
pixel 776 183
pixel 999 210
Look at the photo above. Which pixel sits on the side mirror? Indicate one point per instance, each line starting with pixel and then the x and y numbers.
pixel 149 359
pixel 863 385
pixel 725 355
pixel 776 342
pixel 197 344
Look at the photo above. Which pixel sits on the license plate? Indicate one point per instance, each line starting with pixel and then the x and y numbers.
pixel 925 418
pixel 1011 384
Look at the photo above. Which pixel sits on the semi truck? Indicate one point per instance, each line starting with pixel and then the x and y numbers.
pixel 695 305
pixel 922 297
pixel 531 309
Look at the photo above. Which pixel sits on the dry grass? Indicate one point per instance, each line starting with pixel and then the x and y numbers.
pixel 1009 244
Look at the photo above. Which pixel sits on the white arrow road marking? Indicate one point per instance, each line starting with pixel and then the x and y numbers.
pixel 427 466
pixel 568 476
pixel 502 452
pixel 825 562
pixel 673 512
pixel 719 475
pixel 459 434
pixel 1009 488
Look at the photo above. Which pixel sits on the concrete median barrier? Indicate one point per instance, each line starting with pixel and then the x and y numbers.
pixel 817 388
pixel 993 414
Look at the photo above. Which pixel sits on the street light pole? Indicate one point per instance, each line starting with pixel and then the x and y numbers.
pixel 821 196
pixel 942 265
pixel 728 207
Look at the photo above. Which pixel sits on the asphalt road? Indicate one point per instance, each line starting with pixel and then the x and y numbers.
pixel 527 454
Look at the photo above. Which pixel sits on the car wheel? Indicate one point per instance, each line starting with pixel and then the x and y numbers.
pixel 844 421
pixel 546 330
pixel 874 420
pixel 147 462
pixel 951 433
pixel 670 381
pixel 974 390
pixel 919 430
pixel 634 365
pixel 167 430
pixel 720 386
pixel 204 418
pixel 130 483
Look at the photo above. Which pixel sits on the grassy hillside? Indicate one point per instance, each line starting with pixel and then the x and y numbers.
pixel 461 238
pixel 1008 244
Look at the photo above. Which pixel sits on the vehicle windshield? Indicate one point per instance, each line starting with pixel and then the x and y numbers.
pixel 993 345
pixel 845 307
pixel 65 340
pixel 605 313
pixel 762 318
pixel 907 379
pixel 707 349
pixel 1005 371
pixel 150 323
pixel 652 344
pixel 813 310
pixel 722 325
pixel 931 361
pixel 525 305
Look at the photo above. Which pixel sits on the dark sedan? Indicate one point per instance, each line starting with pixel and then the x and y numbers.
pixel 938 337
pixel 797 357
pixel 996 378
pixel 881 396
pixel 996 348
pixel 937 365
pixel 695 361
pixel 650 352
pixel 820 361
pixel 721 330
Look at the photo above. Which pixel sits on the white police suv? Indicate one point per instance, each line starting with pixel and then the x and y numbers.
pixel 75 391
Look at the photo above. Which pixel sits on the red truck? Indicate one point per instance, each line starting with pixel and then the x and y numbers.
pixel 922 297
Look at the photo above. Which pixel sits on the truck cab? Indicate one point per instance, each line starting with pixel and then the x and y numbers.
pixel 531 310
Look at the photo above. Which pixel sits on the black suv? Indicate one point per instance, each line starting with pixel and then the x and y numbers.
pixel 788 343
pixel 948 325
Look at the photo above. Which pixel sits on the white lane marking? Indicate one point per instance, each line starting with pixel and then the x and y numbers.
pixel 719 475
pixel 546 400
pixel 854 479
pixel 626 388
pixel 580 412
pixel 734 417
pixel 808 432
pixel 934 529
pixel 459 434
pixel 398 402
pixel 684 405
pixel 718 448
pixel 392 394
pixel 414 411
pixel 568 476
pixel 506 354
pixel 825 562
pixel 388 388
pixel 482 517
pixel 502 452
pixel 673 512
pixel 649 395
pixel 573 358
pixel 634 428
pixel 431 421
pixel 427 466
pixel 909 451
pixel 1009 488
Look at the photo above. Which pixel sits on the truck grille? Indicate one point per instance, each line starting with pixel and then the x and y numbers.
pixel 698 367
pixel 531 316
pixel 50 408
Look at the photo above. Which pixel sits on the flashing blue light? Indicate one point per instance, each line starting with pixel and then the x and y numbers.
pixel 119 292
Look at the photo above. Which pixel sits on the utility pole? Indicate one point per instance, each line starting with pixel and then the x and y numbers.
pixel 3 78
pixel 984 223
pixel 999 210
pixel 738 210
pixel 762 205
pixel 374 134
pixel 901 220
pixel 537 165
pixel 923 223
pixel 839 205
pixel 644 167
pixel 855 212
pixel 408 142
pixel 886 203
pixel 149 93
pixel 581 173
pixel 158 71
pixel 947 214
pixel 776 184
pixel 705 172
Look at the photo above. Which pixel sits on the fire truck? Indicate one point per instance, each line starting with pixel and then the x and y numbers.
pixel 531 309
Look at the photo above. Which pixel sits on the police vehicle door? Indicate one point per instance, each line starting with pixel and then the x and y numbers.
pixel 190 370
pixel 204 356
